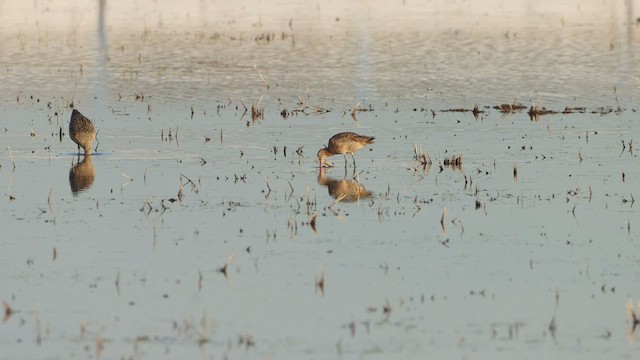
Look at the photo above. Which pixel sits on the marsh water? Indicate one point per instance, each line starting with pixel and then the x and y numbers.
pixel 202 226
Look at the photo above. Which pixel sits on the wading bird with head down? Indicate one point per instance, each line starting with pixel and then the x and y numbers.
pixel 81 131
pixel 343 143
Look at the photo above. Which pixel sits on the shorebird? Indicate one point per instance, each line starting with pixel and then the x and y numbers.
pixel 81 131
pixel 344 143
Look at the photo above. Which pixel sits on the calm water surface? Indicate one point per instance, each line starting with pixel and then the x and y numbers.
pixel 528 250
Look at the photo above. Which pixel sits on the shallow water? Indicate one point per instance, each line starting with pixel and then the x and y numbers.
pixel 121 256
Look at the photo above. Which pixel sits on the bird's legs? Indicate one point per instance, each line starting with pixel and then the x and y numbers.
pixel 354 162
pixel 345 161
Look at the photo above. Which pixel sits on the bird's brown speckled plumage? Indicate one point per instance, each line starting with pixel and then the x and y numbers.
pixel 344 143
pixel 81 131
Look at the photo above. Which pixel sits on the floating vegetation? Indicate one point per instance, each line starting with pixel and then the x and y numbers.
pixel 303 109
pixel 510 108
pixel 455 161
pixel 475 111
pixel 257 113
pixel 264 37
pixel 359 108
pixel 246 340
pixel 604 110
pixel 535 112
pixel 628 145
pixel 421 157
pixel 573 110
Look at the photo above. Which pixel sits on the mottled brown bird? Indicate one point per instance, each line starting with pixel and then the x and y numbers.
pixel 81 131
pixel 344 143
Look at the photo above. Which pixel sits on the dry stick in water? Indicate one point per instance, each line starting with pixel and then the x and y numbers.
pixel 261 77
pixel 444 216
pixel 553 327
pixel 355 108
pixel 223 270
pixel 51 207
pixel 152 221
pixel 308 203
pixel 118 282
pixel 99 346
pixel 288 197
pixel 11 154
pixel 457 221
pixel 125 183
pixel 244 106
pixel 320 281
pixel 266 179
pixel 49 200
pixel 181 193
pixel 580 153
pixel 634 317
pixel 38 329
pixel 313 223
pixel 418 208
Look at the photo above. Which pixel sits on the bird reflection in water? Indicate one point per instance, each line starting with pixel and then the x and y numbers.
pixel 81 175
pixel 343 190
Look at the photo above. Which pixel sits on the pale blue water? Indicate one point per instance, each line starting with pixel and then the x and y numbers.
pixel 559 242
